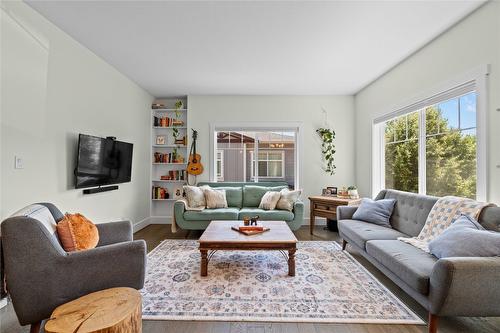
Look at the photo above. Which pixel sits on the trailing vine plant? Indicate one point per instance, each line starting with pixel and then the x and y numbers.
pixel 327 149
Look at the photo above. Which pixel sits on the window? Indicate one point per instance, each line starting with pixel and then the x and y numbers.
pixel 433 150
pixel 235 149
pixel 220 165
pixel 271 164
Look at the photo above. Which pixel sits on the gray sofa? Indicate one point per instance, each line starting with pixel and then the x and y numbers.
pixel 40 275
pixel 445 287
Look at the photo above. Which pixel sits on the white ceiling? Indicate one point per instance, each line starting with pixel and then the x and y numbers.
pixel 254 48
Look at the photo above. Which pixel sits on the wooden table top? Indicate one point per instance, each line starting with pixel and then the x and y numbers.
pixel 221 232
pixel 332 199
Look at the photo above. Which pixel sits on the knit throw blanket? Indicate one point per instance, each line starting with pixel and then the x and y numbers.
pixel 444 212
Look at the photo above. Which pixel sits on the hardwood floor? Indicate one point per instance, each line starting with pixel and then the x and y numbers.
pixel 154 234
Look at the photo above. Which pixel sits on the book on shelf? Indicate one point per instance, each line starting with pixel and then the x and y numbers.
pixel 167 122
pixel 174 175
pixel 181 141
pixel 168 157
pixel 160 193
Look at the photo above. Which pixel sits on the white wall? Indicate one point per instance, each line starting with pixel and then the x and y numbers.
pixel 306 109
pixel 472 42
pixel 52 89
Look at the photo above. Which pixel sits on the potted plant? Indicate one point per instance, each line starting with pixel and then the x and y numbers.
pixel 352 191
pixel 327 149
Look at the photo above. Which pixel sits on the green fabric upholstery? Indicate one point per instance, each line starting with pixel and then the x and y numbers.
pixel 193 220
pixel 212 214
pixel 266 215
pixel 252 194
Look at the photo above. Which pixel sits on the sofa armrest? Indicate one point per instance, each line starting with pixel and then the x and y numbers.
pixel 298 209
pixel 179 209
pixel 462 286
pixel 114 232
pixel 345 212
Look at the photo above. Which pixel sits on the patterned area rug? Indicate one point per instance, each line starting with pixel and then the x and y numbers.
pixel 330 286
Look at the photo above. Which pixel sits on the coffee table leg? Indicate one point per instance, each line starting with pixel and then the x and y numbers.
pixel 291 262
pixel 204 263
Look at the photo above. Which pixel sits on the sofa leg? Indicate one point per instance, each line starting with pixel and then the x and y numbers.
pixel 344 244
pixel 35 328
pixel 433 323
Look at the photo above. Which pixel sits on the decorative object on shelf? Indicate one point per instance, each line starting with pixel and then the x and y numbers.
pixel 179 175
pixel 160 193
pixel 327 149
pixel 330 191
pixel 352 191
pixel 333 190
pixel 178 192
pixel 167 122
pixel 343 193
pixel 194 167
pixel 156 106
pixel 178 106
pixel 181 141
pixel 160 140
pixel 172 157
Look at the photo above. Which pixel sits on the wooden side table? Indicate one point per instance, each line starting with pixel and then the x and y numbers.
pixel 115 310
pixel 326 207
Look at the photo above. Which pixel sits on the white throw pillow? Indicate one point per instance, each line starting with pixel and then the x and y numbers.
pixel 288 199
pixel 195 196
pixel 269 200
pixel 215 198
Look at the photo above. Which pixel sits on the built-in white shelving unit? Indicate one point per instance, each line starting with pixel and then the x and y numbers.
pixel 162 209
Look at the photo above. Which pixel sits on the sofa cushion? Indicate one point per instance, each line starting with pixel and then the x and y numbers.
pixel 266 215
pixel 466 238
pixel 409 263
pixel 377 212
pixel 234 195
pixel 212 214
pixel 360 232
pixel 252 194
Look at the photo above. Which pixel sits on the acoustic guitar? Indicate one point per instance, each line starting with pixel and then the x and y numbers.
pixel 194 165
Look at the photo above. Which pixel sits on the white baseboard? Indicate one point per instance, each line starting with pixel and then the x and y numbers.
pixel 141 224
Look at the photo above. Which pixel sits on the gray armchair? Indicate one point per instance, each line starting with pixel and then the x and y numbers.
pixel 40 275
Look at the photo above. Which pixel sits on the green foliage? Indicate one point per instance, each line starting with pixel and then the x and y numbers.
pixel 450 156
pixel 178 106
pixel 328 149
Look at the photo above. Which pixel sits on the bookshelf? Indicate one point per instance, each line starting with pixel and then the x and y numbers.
pixel 163 152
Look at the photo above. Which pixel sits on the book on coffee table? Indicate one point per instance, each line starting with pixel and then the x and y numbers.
pixel 249 230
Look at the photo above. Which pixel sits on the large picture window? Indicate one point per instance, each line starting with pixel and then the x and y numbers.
pixel 235 151
pixel 432 150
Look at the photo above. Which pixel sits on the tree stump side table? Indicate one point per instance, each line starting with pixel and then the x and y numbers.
pixel 107 311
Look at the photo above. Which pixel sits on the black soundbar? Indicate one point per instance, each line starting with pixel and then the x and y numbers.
pixel 100 189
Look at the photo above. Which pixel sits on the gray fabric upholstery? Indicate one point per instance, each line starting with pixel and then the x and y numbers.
pixel 458 286
pixel 411 264
pixel 41 275
pixel 466 238
pixel 410 212
pixel 490 218
pixel 345 212
pixel 114 232
pixel 465 287
pixel 56 213
pixel 377 212
pixel 360 232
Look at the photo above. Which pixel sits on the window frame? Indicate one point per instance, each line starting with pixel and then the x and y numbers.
pixel 474 80
pixel 267 160
pixel 281 126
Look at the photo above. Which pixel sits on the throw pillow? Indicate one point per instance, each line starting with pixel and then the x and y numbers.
pixel 195 196
pixel 269 200
pixel 252 194
pixel 288 199
pixel 77 233
pixel 215 198
pixel 377 212
pixel 466 238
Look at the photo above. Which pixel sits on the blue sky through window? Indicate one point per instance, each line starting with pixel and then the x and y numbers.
pixel 450 110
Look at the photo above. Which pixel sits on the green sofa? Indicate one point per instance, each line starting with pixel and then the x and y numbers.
pixel 243 200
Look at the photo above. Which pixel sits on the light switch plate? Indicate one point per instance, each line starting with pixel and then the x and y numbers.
pixel 19 162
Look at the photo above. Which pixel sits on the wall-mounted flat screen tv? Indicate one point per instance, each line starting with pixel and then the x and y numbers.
pixel 102 161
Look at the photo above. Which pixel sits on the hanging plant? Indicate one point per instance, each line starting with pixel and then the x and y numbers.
pixel 327 149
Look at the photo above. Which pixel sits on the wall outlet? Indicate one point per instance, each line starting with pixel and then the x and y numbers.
pixel 19 162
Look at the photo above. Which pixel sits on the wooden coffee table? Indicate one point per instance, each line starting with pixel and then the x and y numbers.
pixel 219 236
